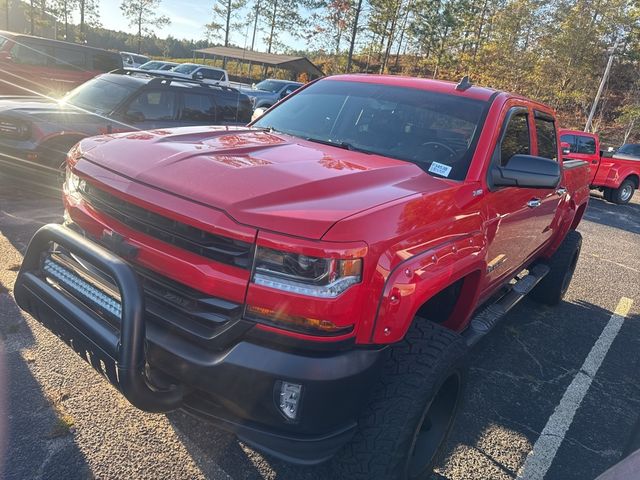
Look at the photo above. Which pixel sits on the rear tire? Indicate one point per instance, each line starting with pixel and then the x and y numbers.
pixel 410 413
pixel 606 193
pixel 623 194
pixel 553 287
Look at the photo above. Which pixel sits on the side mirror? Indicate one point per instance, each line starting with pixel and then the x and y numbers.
pixel 527 171
pixel 197 76
pixel 566 148
pixel 257 113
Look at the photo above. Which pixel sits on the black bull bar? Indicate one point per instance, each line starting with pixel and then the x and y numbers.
pixel 118 353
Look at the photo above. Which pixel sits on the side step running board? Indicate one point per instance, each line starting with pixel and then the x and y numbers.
pixel 484 321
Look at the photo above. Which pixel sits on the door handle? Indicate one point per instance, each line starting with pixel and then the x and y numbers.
pixel 561 191
pixel 534 202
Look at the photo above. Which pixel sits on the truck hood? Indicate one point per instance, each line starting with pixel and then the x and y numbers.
pixel 266 180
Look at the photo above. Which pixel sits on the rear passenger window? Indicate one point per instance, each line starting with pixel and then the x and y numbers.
pixel 571 140
pixel 547 140
pixel 153 105
pixel 69 58
pixel 586 145
pixel 27 53
pixel 198 108
pixel 210 74
pixel 516 139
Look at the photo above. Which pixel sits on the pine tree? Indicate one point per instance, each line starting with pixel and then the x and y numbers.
pixel 144 16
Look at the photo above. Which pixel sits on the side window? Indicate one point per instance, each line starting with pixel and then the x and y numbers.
pixel 547 140
pixel 289 90
pixel 210 74
pixel 198 108
pixel 152 105
pixel 69 58
pixel 571 140
pixel 139 59
pixel 516 140
pixel 103 62
pixel 228 104
pixel 586 145
pixel 28 53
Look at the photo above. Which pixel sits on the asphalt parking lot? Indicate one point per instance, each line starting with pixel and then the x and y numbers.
pixel 65 421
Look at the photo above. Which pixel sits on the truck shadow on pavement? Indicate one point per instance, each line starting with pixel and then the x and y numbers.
pixel 213 449
pixel 624 217
pixel 38 433
pixel 517 376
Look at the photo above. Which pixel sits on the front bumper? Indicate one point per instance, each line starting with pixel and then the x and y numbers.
pixel 234 387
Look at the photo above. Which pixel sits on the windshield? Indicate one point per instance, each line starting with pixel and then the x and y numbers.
pixel 269 86
pixel 98 95
pixel 185 68
pixel 434 130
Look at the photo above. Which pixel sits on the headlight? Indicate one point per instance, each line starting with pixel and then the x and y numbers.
pixel 73 184
pixel 313 276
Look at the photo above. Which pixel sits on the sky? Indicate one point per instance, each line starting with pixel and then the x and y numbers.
pixel 188 18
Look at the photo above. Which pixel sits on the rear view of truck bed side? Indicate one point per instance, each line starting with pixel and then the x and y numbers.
pixel 617 176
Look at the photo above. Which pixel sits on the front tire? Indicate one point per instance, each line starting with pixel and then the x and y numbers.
pixel 623 194
pixel 403 428
pixel 553 287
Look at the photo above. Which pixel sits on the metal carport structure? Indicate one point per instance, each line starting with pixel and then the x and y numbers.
pixel 294 64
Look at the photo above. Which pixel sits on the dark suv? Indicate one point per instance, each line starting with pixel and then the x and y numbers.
pixel 40 131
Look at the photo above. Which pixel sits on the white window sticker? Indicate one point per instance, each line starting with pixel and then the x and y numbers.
pixel 440 169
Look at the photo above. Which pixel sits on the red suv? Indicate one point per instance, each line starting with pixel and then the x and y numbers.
pixel 35 65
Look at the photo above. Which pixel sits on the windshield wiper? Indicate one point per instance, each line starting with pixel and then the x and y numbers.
pixel 343 145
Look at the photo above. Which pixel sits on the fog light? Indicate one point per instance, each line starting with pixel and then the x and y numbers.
pixel 290 399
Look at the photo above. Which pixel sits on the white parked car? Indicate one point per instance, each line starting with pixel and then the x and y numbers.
pixel 133 60
pixel 157 66
pixel 215 76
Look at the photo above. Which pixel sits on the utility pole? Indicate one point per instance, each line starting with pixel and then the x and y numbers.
pixel 603 82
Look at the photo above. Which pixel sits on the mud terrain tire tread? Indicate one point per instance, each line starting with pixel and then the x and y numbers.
pixel 411 374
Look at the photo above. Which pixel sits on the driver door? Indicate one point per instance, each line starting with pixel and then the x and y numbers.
pixel 511 225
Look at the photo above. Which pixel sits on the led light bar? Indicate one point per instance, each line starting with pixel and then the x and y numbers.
pixel 81 288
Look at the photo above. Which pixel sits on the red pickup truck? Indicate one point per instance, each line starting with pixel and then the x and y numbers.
pixel 617 177
pixel 311 282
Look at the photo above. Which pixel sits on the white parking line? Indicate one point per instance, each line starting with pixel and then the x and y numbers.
pixel 544 450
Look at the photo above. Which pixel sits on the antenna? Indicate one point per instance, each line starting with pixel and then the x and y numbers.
pixel 464 84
